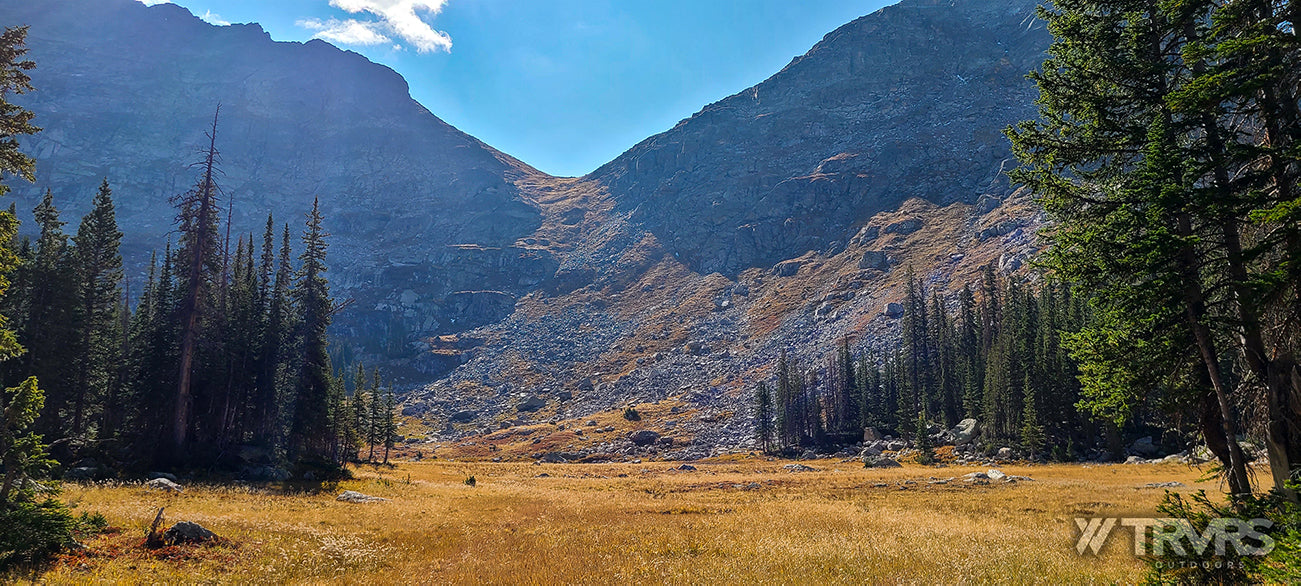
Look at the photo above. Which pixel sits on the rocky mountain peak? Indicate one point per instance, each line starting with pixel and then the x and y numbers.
pixel 905 102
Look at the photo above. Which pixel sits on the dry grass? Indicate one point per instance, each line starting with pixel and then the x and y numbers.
pixel 635 522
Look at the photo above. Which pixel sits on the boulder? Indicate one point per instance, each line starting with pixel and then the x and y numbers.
pixel 686 467
pixel 352 496
pixel 965 431
pixel 643 437
pixel 904 227
pixel 532 403
pixel 1144 446
pixel 1005 453
pixel 164 485
pixel 893 310
pixel 1163 485
pixel 465 416
pixel 786 268
pixel 880 462
pixel 187 532
pixel 995 474
pixel 874 259
pixel 870 434
pixel 799 468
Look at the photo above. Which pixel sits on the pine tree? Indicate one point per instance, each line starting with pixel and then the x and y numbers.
pixel 201 264
pixel 99 278
pixel 763 415
pixel 1032 432
pixel 309 441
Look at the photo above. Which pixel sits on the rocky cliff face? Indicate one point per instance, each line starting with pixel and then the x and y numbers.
pixel 906 102
pixel 419 211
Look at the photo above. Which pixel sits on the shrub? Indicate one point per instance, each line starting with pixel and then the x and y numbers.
pixel 631 414
pixel 34 532
pixel 1281 565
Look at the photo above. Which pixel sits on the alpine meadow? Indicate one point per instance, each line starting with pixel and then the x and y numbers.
pixel 972 291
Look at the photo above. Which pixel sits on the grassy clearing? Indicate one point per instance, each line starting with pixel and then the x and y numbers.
pixel 740 520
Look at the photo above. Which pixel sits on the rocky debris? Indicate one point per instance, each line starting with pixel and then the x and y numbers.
pixel 787 268
pixel 351 496
pixel 1163 485
pixel 874 259
pixel 1135 460
pixel 554 458
pixel 880 462
pixel 904 227
pixel 164 485
pixel 799 468
pixel 186 532
pixel 465 416
pixel 643 437
pixel 986 203
pixel 532 403
pixel 965 431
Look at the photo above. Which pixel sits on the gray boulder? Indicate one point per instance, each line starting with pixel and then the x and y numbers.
pixel 893 310
pixel 1144 447
pixel 532 403
pixel 352 496
pixel 164 485
pixel 880 462
pixel 965 431
pixel 187 532
pixel 799 468
pixel 465 416
pixel 643 437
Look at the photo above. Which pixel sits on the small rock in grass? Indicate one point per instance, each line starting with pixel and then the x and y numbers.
pixel 352 496
pixel 163 484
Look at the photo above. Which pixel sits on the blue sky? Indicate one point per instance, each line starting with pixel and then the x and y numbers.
pixel 564 85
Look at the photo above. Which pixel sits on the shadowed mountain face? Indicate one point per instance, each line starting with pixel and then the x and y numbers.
pixel 906 102
pixel 126 91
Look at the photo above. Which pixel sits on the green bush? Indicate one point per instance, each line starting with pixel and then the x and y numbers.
pixel 1281 565
pixel 631 414
pixel 34 532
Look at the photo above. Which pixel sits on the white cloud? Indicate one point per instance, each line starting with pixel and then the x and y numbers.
pixel 345 32
pixel 211 17
pixel 153 2
pixel 399 18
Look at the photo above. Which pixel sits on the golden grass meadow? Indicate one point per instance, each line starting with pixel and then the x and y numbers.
pixel 741 519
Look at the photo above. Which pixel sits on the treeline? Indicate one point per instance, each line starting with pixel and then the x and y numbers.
pixel 219 360
pixel 995 356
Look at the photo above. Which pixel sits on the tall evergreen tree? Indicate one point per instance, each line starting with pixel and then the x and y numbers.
pixel 99 278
